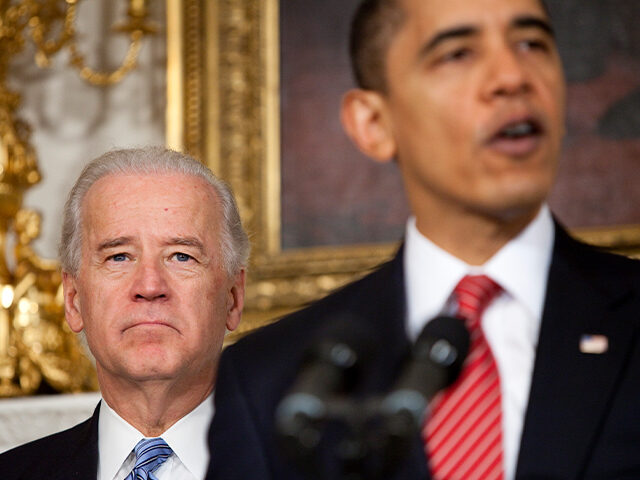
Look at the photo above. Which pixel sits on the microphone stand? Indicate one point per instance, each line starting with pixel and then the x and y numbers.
pixel 377 431
pixel 368 446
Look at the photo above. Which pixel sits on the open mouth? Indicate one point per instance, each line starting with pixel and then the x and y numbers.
pixel 520 129
pixel 517 138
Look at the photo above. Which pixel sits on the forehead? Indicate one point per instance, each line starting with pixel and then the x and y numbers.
pixel 160 200
pixel 432 15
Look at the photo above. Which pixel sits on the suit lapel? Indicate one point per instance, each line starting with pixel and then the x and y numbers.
pixel 570 390
pixel 384 314
pixel 82 462
pixel 387 310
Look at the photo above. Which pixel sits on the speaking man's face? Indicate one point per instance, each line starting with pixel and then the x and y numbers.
pixel 475 106
pixel 151 293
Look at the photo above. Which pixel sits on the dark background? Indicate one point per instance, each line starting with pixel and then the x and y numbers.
pixel 333 195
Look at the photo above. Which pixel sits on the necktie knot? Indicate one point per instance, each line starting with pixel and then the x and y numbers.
pixel 473 294
pixel 150 454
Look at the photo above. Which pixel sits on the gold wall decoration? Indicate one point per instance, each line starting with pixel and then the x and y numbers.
pixel 229 101
pixel 229 119
pixel 36 345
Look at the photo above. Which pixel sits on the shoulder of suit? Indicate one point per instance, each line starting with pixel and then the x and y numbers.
pixel 316 315
pixel 605 271
pixel 598 257
pixel 40 454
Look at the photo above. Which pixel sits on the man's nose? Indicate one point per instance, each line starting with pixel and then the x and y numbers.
pixel 507 75
pixel 150 282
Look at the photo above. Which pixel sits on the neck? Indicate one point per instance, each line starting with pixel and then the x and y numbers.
pixel 152 406
pixel 453 233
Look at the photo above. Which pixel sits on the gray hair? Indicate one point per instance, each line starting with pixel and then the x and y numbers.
pixel 146 161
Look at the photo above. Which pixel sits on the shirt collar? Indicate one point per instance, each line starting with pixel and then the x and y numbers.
pixel 521 267
pixel 187 438
pixel 431 273
pixel 116 439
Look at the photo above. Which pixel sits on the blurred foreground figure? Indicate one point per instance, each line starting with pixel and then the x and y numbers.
pixel 467 97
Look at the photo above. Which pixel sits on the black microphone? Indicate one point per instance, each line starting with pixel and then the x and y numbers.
pixel 435 363
pixel 329 368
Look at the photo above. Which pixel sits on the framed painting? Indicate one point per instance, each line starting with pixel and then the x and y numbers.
pixel 255 88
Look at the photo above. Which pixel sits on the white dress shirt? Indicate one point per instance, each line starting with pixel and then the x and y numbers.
pixel 511 322
pixel 187 438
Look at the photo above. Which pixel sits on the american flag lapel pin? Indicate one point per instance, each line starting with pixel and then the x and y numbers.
pixel 595 344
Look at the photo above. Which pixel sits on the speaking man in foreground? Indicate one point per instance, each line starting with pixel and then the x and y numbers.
pixel 467 97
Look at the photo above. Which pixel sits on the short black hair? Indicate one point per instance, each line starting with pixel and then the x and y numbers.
pixel 373 27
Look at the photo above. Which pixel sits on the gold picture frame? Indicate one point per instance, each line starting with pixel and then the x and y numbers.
pixel 223 108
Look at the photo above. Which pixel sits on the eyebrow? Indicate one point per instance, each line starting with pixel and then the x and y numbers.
pixel 444 35
pixel 530 21
pixel 187 242
pixel 114 242
pixel 462 31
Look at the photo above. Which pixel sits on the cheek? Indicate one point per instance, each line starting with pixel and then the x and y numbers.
pixel 102 308
pixel 98 322
pixel 209 307
pixel 443 122
pixel 554 95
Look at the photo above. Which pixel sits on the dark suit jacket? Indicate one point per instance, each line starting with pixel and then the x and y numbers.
pixel 67 455
pixel 582 419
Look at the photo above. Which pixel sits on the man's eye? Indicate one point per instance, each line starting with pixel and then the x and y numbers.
pixel 534 44
pixel 118 257
pixel 182 257
pixel 456 55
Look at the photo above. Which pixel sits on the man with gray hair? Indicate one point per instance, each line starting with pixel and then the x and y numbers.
pixel 153 260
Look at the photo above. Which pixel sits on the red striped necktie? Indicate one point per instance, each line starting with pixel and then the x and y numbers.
pixel 463 432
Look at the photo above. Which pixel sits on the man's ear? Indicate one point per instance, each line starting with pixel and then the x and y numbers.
pixel 72 303
pixel 236 302
pixel 365 119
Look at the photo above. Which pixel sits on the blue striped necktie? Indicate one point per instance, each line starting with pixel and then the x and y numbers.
pixel 150 454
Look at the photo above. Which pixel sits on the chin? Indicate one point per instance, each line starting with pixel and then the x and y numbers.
pixel 150 362
pixel 152 373
pixel 512 210
pixel 518 211
pixel 521 196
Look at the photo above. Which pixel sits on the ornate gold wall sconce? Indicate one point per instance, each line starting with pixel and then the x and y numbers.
pixel 36 347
